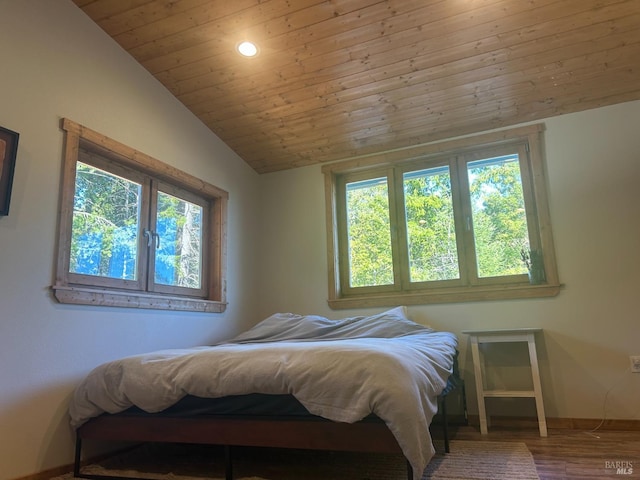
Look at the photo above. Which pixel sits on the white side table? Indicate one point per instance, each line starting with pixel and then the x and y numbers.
pixel 499 336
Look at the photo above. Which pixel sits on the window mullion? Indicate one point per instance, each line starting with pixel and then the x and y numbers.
pixel 399 246
pixel 150 210
pixel 464 221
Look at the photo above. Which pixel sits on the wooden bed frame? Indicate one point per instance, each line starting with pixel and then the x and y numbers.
pixel 301 433
pixel 311 433
pixel 257 431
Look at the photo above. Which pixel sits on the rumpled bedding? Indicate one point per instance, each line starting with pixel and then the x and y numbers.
pixel 342 370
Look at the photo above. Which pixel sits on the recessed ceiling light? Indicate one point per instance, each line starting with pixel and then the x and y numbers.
pixel 247 49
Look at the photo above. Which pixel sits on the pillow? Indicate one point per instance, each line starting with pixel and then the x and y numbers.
pixel 290 326
pixel 400 311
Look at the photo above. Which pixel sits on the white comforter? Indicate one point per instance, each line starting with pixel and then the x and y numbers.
pixel 342 370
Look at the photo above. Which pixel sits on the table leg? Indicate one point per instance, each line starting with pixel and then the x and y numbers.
pixel 477 370
pixel 537 386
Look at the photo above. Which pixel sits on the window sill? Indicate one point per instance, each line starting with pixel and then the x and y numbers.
pixel 113 298
pixel 457 295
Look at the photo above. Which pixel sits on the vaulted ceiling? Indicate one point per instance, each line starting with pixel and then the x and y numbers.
pixel 336 79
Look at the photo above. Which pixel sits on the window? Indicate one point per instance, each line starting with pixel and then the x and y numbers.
pixel 447 222
pixel 136 232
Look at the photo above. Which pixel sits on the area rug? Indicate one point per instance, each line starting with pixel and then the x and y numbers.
pixel 468 460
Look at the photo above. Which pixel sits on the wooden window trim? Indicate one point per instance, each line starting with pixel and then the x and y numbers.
pixel 342 298
pixel 65 291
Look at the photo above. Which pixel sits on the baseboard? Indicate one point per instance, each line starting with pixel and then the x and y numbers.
pixel 561 423
pixel 47 474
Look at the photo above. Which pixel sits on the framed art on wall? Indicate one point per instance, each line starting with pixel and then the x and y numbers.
pixel 8 152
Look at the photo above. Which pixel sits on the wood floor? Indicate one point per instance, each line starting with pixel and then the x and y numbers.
pixel 565 454
pixel 570 454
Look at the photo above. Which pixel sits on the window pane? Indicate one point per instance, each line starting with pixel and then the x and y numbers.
pixel 179 255
pixel 104 239
pixel 430 225
pixel 369 233
pixel 499 217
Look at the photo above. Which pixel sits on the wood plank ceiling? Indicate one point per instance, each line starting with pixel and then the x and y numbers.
pixel 336 79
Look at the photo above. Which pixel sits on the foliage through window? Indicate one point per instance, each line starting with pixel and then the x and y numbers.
pixel 136 232
pixel 106 215
pixel 456 221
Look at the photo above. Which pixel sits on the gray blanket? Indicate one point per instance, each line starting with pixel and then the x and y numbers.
pixel 342 370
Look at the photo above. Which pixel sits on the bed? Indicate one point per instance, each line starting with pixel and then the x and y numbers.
pixel 365 383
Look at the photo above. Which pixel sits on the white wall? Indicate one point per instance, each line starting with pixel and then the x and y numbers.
pixel 590 329
pixel 55 63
